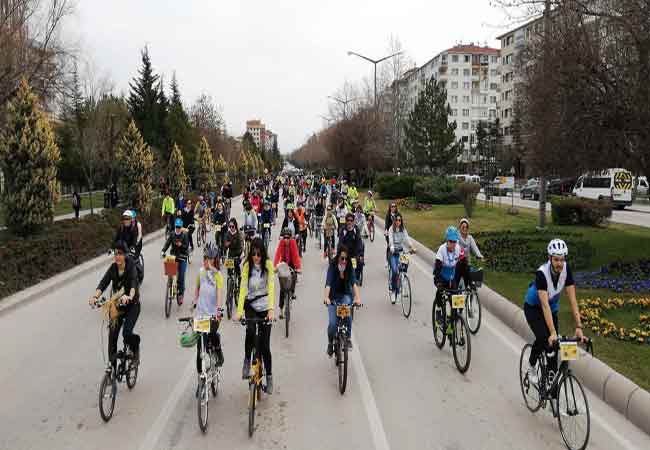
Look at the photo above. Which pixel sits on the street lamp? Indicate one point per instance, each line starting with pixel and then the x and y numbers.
pixel 374 62
pixel 343 102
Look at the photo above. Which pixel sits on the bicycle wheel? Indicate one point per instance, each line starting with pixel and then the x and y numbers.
pixel 287 312
pixel 131 374
pixel 371 232
pixel 343 363
pixel 461 344
pixel 573 413
pixel 107 394
pixel 439 324
pixel 529 390
pixel 229 298
pixel 202 405
pixel 168 298
pixel 215 382
pixel 252 400
pixel 406 295
pixel 473 312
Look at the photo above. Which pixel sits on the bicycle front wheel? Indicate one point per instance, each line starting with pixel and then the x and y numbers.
pixel 131 374
pixel 439 324
pixel 343 364
pixel 529 390
pixel 473 312
pixel 406 295
pixel 287 312
pixel 202 405
pixel 461 344
pixel 168 298
pixel 573 413
pixel 252 400
pixel 107 394
pixel 371 233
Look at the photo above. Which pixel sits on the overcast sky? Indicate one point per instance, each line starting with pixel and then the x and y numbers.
pixel 276 60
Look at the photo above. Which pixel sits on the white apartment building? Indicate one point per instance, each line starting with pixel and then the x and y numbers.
pixel 471 76
pixel 263 137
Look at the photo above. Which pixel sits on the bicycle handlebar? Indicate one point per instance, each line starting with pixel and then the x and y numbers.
pixel 587 342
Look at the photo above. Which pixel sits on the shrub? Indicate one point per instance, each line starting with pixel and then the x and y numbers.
pixel 436 191
pixel 467 193
pixel 574 211
pixel 392 186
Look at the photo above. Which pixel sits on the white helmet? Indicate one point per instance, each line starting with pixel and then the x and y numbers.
pixel 557 247
pixel 128 214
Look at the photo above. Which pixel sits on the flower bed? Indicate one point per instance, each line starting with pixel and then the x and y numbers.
pixel 618 277
pixel 594 314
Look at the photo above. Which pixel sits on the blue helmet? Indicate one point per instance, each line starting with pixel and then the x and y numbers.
pixel 179 223
pixel 452 234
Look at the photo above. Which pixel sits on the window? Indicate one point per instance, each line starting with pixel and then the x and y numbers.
pixel 508 94
pixel 593 182
pixel 493 72
pixel 475 72
pixel 495 59
pixel 467 58
pixel 484 113
pixel 465 112
pixel 465 98
pixel 454 71
pixel 466 85
pixel 466 72
pixel 474 124
pixel 493 114
pixel 454 84
pixel 494 86
pixel 454 99
pixel 465 125
pixel 508 59
pixel 476 84
pixel 484 99
pixel 454 112
pixel 493 98
pixel 444 59
pixel 454 58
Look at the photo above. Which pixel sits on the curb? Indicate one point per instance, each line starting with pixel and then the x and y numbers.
pixel 616 390
pixel 36 291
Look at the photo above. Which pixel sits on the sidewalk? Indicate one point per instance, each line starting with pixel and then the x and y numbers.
pixel 82 213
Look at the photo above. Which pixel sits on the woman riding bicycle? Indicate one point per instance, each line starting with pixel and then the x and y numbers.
pixel 180 245
pixel 122 276
pixel 187 214
pixel 340 287
pixel 287 252
pixel 398 238
pixel 467 242
pixel 233 243
pixel 256 298
pixel 291 222
pixel 451 264
pixel 542 304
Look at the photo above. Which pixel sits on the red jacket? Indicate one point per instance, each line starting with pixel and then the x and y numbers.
pixel 256 203
pixel 287 252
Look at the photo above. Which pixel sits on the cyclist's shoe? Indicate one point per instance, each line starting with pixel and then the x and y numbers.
pixel 330 349
pixel 293 296
pixel 532 375
pixel 349 343
pixel 269 384
pixel 246 369
pixel 219 357
pixel 281 315
pixel 393 297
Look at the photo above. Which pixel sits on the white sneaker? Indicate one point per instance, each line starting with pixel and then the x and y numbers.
pixel 532 375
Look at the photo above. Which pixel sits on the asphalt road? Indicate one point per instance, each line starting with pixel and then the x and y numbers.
pixel 403 392
pixel 637 214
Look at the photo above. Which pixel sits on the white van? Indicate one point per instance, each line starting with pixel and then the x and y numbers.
pixel 467 178
pixel 641 187
pixel 612 184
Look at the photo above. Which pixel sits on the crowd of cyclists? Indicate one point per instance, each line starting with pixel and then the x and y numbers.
pixel 330 212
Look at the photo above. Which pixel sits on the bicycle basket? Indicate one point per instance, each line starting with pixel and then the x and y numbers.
pixel 170 266
pixel 476 275
pixel 188 338
pixel 284 275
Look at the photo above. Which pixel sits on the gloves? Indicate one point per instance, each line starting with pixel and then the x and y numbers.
pixel 162 255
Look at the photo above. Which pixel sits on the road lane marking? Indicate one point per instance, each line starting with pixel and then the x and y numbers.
pixel 374 419
pixel 517 351
pixel 158 427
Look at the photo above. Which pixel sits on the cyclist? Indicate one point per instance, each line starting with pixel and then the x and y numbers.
pixel 302 225
pixel 344 188
pixel 341 212
pixel 467 241
pixel 340 286
pixel 388 222
pixel 168 210
pixel 353 194
pixel 267 217
pixel 256 202
pixel 398 238
pixel 234 243
pixel 179 243
pixel 287 252
pixel 275 199
pixel 187 215
pixel 250 217
pixel 208 300
pixel 219 218
pixel 369 205
pixel 330 226
pixel 127 232
pixel 256 298
pixel 360 219
pixel 201 210
pixel 138 225
pixel 350 238
pixel 122 276
pixel 450 264
pixel 291 222
pixel 542 304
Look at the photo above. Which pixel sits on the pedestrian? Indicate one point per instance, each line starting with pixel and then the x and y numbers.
pixel 76 204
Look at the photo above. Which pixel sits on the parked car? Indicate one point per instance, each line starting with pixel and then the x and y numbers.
pixel 613 184
pixel 561 186
pixel 530 190
pixel 641 187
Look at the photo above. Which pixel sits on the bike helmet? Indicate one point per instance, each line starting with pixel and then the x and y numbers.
pixel 557 247
pixel 286 232
pixel 210 251
pixel 178 223
pixel 188 338
pixel 370 193
pixel 128 214
pixel 451 234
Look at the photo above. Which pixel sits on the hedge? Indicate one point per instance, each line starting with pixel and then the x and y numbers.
pixel 60 246
pixel 580 211
pixel 392 186
pixel 436 191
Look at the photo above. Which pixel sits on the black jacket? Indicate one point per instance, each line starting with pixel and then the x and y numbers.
pixel 179 244
pixel 126 281
pixel 127 234
pixel 352 240
pixel 389 220
pixel 188 217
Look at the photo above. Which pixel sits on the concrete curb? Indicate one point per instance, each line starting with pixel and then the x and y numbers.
pixel 36 291
pixel 613 388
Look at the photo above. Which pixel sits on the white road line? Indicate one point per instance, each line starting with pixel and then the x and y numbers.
pixel 517 351
pixel 374 419
pixel 156 430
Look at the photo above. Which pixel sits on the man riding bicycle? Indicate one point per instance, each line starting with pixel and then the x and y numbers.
pixel 220 220
pixel 542 304
pixel 168 210
pixel 350 237
pixel 287 252
pixel 201 210
pixel 179 243
pixel 187 215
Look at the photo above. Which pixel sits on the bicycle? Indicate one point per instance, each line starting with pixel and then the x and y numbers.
pixel 266 234
pixel 218 235
pixel 285 276
pixel 341 344
pixel 330 250
pixel 249 234
pixel 559 390
pixel 370 223
pixel 452 323
pixel 210 368
pixel 232 284
pixel 201 235
pixel 171 271
pixel 125 368
pixel 403 284
pixel 318 231
pixel 473 310
pixel 255 386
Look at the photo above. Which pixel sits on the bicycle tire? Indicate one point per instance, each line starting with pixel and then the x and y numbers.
pixel 252 400
pixel 473 302
pixel 568 388
pixel 343 364
pixel 371 233
pixel 202 405
pixel 407 299
pixel 439 324
pixel 107 383
pixel 229 298
pixel 215 383
pixel 287 312
pixel 131 374
pixel 460 339
pixel 532 403
pixel 168 298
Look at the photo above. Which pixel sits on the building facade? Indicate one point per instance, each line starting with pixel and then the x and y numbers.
pixel 264 138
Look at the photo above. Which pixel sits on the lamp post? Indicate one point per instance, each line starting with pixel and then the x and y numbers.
pixel 374 62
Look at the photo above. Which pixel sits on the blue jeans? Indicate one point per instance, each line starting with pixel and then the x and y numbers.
pixel 182 267
pixel 394 271
pixel 331 309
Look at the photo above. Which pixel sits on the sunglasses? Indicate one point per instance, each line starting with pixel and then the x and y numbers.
pixel 398 220
pixel 256 254
pixel 343 258
pixel 232 227
pixel 451 242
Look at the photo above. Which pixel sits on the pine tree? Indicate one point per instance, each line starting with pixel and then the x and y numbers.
pixel 136 163
pixel 430 138
pixel 205 166
pixel 179 128
pixel 176 172
pixel 244 164
pixel 29 158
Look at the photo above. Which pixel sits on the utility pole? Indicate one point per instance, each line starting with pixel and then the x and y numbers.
pixel 542 177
